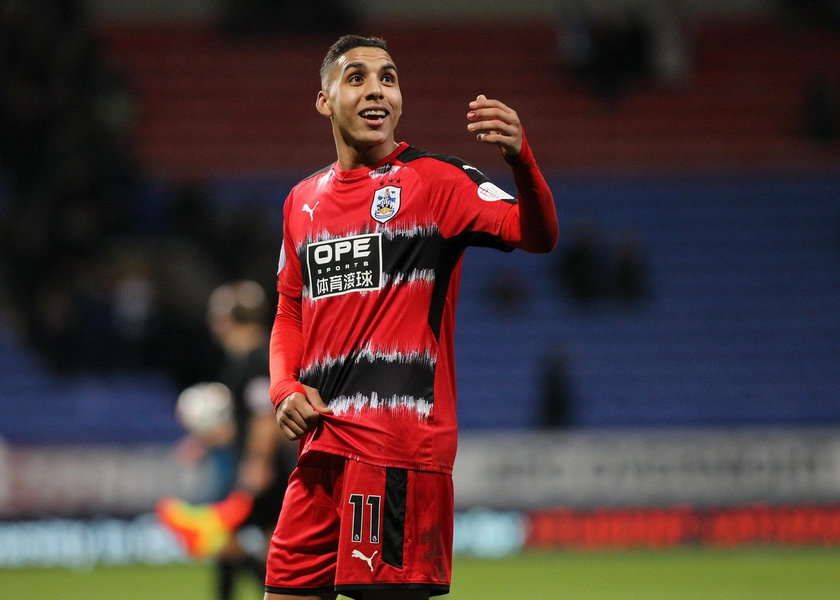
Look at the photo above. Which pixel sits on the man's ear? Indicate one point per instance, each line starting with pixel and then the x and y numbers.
pixel 322 104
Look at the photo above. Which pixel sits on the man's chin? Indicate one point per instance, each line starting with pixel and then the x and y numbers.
pixel 372 139
pixel 377 136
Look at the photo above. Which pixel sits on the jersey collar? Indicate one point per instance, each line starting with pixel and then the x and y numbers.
pixel 363 172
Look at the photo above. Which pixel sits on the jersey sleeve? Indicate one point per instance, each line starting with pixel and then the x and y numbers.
pixel 533 225
pixel 289 273
pixel 286 349
pixel 470 206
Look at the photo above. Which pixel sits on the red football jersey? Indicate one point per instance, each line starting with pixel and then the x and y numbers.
pixel 375 256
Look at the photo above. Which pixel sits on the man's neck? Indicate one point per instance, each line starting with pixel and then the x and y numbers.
pixel 350 158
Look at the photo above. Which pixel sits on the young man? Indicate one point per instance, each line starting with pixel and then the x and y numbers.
pixel 361 350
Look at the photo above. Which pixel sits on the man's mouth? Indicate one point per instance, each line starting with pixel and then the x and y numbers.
pixel 374 116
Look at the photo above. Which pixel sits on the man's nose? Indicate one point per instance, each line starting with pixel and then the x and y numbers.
pixel 374 89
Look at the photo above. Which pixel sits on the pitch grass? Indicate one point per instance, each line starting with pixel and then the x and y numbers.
pixel 684 574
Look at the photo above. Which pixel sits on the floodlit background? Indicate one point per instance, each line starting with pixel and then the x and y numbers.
pixel 669 377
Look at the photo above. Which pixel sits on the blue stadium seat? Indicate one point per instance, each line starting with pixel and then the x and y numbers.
pixel 743 326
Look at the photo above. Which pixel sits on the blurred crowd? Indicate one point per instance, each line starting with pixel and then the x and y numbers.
pixel 94 278
pixel 87 277
pixel 65 120
pixel 614 50
pixel 96 282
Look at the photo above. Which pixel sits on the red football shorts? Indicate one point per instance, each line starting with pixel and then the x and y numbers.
pixel 348 526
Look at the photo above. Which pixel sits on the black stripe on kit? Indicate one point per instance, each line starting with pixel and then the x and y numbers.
pixel 405 252
pixel 363 375
pixel 393 529
pixel 411 153
pixel 477 177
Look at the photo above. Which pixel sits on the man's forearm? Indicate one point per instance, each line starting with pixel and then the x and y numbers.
pixel 286 349
pixel 532 226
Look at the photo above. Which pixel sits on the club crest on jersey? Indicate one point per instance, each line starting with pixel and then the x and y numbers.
pixel 386 203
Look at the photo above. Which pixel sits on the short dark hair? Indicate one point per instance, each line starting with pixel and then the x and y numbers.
pixel 343 45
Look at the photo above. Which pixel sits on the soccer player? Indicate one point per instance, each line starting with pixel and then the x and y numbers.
pixel 236 316
pixel 362 358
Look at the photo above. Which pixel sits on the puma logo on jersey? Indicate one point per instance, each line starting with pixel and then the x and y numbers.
pixel 465 167
pixel 311 211
pixel 360 556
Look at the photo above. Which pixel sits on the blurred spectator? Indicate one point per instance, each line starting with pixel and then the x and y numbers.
pixel 186 275
pixel 70 177
pixel 507 292
pixel 589 271
pixel 629 269
pixel 574 42
pixel 246 17
pixel 612 50
pixel 133 307
pixel 555 390
pixel 95 287
pixel 812 13
pixel 608 50
pixel 581 267
pixel 90 294
pixel 190 216
pixel 670 56
pixel 255 463
pixel 822 110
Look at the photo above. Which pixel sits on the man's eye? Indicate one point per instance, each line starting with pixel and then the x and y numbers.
pixel 354 78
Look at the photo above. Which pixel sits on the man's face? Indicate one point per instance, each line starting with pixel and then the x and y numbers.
pixel 363 99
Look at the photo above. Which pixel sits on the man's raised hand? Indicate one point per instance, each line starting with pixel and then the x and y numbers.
pixel 493 122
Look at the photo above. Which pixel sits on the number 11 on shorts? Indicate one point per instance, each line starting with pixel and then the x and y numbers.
pixel 375 511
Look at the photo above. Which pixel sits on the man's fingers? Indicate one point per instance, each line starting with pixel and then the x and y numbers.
pixel 482 101
pixel 491 127
pixel 492 137
pixel 483 107
pixel 291 422
pixel 298 414
pixel 313 396
pixel 289 428
pixel 291 434
pixel 488 114
pixel 295 416
pixel 493 132
pixel 493 122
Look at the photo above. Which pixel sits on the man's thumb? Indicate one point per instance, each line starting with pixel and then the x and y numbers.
pixel 317 403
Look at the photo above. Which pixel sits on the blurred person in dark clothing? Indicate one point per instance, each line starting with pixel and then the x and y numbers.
pixel 629 283
pixel 581 265
pixel 64 121
pixel 555 383
pixel 225 530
